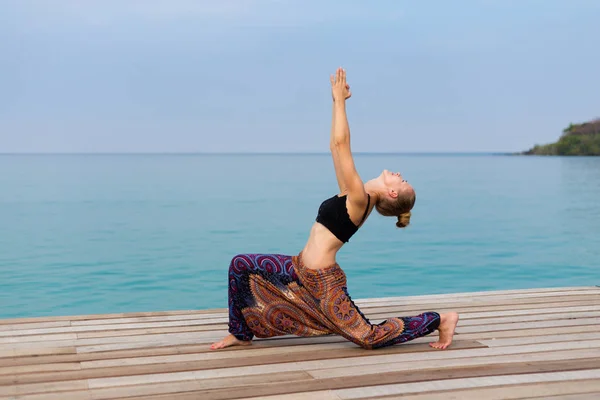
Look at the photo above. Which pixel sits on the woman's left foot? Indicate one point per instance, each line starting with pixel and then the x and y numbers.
pixel 230 340
pixel 448 323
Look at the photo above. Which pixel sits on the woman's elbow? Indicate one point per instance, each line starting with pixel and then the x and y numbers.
pixel 339 142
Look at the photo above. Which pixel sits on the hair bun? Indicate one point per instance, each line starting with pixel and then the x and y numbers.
pixel 403 220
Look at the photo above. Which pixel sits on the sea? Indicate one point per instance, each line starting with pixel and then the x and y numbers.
pixel 113 233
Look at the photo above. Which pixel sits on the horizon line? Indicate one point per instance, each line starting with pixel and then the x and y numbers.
pixel 267 153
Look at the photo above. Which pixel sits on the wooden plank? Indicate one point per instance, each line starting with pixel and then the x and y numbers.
pixel 380 382
pixel 36 352
pixel 37 338
pixel 506 311
pixel 145 376
pixel 212 335
pixel 472 336
pixel 67 326
pixel 528 318
pixel 182 369
pixel 537 311
pixel 545 292
pixel 464 383
pixel 540 332
pixel 210 356
pixel 168 340
pixel 527 325
pixel 583 289
pixel 123 339
pixel 43 387
pixel 481 333
pixel 167 356
pixel 221 328
pixel 483 293
pixel 562 389
pixel 245 382
pixel 72 356
pixel 70 395
pixel 25 369
pixel 482 307
pixel 222 313
pixel 389 311
pixel 152 331
pixel 452 301
pixel 490 328
pixel 33 325
pixel 181 317
pixel 110 327
pixel 147 344
pixel 402 306
pixel 547 390
pixel 113 344
pixel 541 339
pixel 528 315
pixel 173 338
pixel 402 364
pixel 581 396
pixel 466 312
pixel 251 352
pixel 283 343
pixel 133 314
pixel 218 323
pixel 206 341
pixel 148 317
pixel 320 395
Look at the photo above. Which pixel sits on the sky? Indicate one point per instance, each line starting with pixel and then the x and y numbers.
pixel 253 75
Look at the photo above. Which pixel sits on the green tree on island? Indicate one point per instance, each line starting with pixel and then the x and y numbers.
pixel 576 140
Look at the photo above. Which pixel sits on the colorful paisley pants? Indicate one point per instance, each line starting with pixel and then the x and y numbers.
pixel 274 295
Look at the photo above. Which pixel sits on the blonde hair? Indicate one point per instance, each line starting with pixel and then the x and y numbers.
pixel 403 220
pixel 399 207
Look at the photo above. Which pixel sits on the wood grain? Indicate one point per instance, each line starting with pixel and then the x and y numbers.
pixel 519 343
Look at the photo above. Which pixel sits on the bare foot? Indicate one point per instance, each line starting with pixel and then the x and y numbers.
pixel 447 326
pixel 230 340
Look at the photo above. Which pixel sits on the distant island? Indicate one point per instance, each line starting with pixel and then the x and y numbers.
pixel 576 140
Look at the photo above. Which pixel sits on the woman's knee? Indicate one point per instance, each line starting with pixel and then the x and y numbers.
pixel 365 344
pixel 239 263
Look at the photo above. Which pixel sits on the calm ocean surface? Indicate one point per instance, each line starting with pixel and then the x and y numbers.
pixel 83 234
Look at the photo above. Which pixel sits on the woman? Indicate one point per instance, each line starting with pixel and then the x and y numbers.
pixel 306 295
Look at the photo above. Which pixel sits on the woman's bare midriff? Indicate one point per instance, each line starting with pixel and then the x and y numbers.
pixel 321 248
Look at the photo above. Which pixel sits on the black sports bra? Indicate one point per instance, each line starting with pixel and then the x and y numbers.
pixel 333 214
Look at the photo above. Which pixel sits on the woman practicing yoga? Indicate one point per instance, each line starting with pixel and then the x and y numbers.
pixel 306 295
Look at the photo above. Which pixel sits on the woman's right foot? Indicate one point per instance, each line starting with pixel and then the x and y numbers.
pixel 447 326
pixel 230 340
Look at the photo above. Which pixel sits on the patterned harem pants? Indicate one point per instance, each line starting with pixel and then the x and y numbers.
pixel 274 295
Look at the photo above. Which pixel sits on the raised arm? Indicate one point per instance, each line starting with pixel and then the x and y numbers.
pixel 340 142
pixel 334 155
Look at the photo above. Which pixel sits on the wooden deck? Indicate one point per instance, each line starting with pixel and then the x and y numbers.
pixel 540 343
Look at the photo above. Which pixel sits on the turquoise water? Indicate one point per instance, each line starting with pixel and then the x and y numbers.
pixel 82 234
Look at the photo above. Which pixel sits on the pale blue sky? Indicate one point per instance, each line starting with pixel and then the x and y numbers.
pixel 221 76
